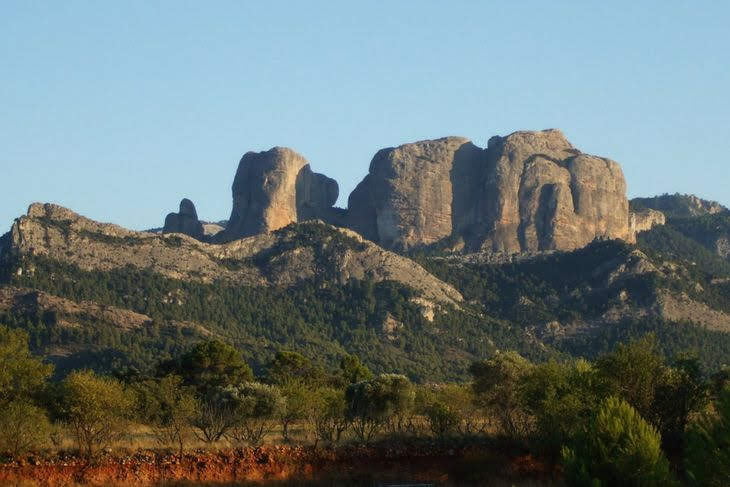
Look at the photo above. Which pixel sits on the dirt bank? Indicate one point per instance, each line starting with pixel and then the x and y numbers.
pixel 454 466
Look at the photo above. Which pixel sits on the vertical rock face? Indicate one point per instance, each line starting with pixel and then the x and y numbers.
pixel 413 192
pixel 273 189
pixel 643 220
pixel 528 191
pixel 185 221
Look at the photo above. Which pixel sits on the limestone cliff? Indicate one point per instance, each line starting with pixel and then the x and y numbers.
pixel 529 191
pixel 643 220
pixel 273 189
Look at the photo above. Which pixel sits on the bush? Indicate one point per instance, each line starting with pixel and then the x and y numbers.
pixel 619 448
pixel 21 374
pixel 253 406
pixel 373 403
pixel 208 365
pixel 561 397
pixel 169 408
pixel 442 419
pixel 328 414
pixel 496 387
pixel 96 410
pixel 297 405
pixel 23 427
pixel 708 446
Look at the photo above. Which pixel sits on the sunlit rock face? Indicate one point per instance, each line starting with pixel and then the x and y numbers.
pixel 529 191
pixel 273 189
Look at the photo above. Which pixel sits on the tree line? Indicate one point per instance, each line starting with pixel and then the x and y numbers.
pixel 618 420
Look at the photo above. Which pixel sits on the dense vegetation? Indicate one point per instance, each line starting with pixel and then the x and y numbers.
pixel 628 418
pixel 569 287
pixel 318 319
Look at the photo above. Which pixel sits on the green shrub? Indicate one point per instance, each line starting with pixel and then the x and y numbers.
pixel 442 419
pixel 561 397
pixel 168 407
pixel 254 406
pixel 619 448
pixel 496 387
pixel 371 404
pixel 21 374
pixel 708 446
pixel 23 427
pixel 329 415
pixel 96 410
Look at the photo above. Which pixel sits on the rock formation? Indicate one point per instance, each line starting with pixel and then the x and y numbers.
pixel 275 188
pixel 680 205
pixel 643 220
pixel 529 191
pixel 185 221
pixel 413 192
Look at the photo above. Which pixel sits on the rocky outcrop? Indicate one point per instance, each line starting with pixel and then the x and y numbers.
pixel 306 251
pixel 529 191
pixel 679 205
pixel 644 220
pixel 273 189
pixel 413 192
pixel 185 221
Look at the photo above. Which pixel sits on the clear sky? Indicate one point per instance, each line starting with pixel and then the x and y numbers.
pixel 119 109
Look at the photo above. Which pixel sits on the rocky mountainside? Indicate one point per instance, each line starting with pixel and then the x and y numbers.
pixel 310 251
pixel 705 222
pixel 446 253
pixel 679 205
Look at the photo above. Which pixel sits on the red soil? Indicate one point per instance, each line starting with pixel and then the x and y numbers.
pixel 269 463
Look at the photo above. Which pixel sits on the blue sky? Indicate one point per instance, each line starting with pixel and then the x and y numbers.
pixel 120 109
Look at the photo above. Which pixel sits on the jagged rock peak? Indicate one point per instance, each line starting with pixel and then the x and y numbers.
pixel 528 191
pixel 185 221
pixel 274 188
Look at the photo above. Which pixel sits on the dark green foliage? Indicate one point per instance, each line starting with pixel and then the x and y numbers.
pixel 23 424
pixel 496 384
pixel 553 287
pixel 208 365
pixel 169 407
pixel 370 404
pixel 619 448
pixel 318 320
pixel 667 242
pixel 561 397
pixel 708 446
pixel 672 339
pixel 353 370
pixel 22 375
pixel 288 366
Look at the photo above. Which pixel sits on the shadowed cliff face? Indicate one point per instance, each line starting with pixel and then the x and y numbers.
pixel 185 221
